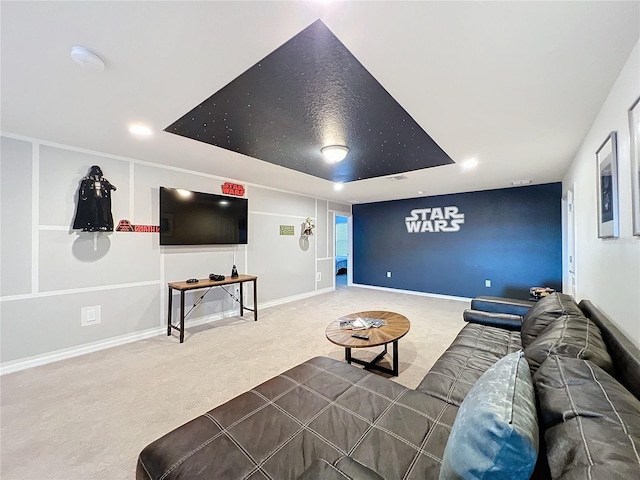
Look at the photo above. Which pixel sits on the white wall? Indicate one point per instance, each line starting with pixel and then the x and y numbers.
pixel 608 270
pixel 50 271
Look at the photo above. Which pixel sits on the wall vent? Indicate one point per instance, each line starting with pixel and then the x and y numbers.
pixel 395 178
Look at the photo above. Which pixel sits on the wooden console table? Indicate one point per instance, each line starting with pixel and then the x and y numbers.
pixel 206 283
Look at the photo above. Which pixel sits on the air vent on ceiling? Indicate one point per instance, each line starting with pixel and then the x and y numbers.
pixel 515 183
pixel 397 177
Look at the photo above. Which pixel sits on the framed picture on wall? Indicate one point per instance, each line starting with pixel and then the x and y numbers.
pixel 607 184
pixel 634 134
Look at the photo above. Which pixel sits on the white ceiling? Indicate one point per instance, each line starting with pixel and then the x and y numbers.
pixel 515 84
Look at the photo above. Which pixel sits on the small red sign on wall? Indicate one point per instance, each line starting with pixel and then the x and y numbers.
pixel 125 225
pixel 236 189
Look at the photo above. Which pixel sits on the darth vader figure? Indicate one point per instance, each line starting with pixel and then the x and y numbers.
pixel 94 203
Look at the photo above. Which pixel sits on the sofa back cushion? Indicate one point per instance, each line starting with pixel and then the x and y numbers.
pixel 474 350
pixel 568 336
pixel 544 312
pixel 495 434
pixel 625 354
pixel 591 422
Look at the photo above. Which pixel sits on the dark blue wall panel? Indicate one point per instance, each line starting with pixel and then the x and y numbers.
pixel 511 236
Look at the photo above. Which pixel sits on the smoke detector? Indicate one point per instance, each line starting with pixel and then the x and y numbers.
pixel 85 57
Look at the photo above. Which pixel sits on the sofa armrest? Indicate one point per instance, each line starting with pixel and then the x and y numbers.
pixel 511 306
pixel 502 320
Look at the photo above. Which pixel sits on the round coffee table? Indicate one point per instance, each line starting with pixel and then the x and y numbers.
pixel 396 328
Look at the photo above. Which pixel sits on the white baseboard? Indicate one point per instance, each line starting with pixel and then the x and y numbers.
pixel 50 357
pixel 411 292
pixel 43 359
pixel 293 298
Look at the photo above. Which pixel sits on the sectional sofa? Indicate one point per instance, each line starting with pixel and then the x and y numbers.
pixel 542 390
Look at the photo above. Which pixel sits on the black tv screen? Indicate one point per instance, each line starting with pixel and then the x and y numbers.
pixel 195 218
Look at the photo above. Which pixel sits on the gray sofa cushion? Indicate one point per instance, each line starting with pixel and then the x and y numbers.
pixel 473 351
pixel 568 336
pixel 544 312
pixel 320 469
pixel 625 354
pixel 592 422
pixel 495 435
pixel 322 408
pixel 345 468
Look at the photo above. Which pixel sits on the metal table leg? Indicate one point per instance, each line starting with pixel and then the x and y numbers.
pixel 169 313
pixel 373 364
pixel 255 299
pixel 181 316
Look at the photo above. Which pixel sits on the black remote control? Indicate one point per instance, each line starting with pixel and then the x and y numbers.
pixel 192 280
pixel 361 336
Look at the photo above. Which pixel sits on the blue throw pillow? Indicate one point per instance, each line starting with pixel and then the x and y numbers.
pixel 495 434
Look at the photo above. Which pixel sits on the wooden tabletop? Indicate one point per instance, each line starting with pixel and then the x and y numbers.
pixel 398 326
pixel 205 282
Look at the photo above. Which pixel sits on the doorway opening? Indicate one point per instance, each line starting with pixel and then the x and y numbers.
pixel 341 250
pixel 569 206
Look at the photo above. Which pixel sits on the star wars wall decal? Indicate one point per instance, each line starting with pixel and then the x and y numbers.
pixel 229 188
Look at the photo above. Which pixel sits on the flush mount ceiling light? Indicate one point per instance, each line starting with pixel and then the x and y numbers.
pixel 85 57
pixel 334 153
pixel 140 130
pixel 338 186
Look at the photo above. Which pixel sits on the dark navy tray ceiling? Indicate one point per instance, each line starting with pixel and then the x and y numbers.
pixel 309 93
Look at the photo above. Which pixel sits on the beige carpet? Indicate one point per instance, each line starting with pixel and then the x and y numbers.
pixel 87 418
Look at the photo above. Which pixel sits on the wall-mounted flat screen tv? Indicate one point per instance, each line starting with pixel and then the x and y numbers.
pixel 195 218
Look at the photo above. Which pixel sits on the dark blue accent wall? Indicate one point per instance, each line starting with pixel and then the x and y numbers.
pixel 511 236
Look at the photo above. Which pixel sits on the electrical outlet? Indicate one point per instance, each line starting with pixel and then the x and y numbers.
pixel 487 283
pixel 388 274
pixel 318 276
pixel 90 315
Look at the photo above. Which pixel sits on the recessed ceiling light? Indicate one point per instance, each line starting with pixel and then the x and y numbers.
pixel 140 130
pixel 469 164
pixel 420 192
pixel 337 186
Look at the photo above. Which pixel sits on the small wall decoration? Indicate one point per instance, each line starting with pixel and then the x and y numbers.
pixel 236 189
pixel 307 227
pixel 125 225
pixel 93 213
pixel 634 131
pixel 287 230
pixel 607 181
